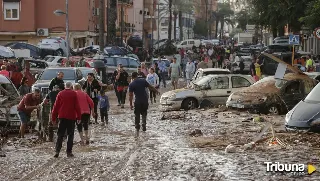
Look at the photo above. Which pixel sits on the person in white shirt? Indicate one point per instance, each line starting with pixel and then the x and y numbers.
pixel 190 69
pixel 153 79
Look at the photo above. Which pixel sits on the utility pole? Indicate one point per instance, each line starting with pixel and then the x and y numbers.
pixel 122 23
pixel 152 29
pixel 143 11
pixel 158 28
pixel 189 24
pixel 67 30
pixel 108 31
pixel 101 24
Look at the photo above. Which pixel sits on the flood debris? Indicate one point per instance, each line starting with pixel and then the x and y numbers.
pixel 173 115
pixel 196 133
pixel 230 149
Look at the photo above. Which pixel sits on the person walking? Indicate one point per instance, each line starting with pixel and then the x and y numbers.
pixel 122 84
pixel 174 73
pixel 104 106
pixel 153 79
pixel 67 110
pixel 157 71
pixel 85 103
pixel 163 70
pixel 24 88
pixel 252 69
pixel 190 69
pixel 144 70
pixel 140 73
pixel 92 87
pixel 258 69
pixel 309 64
pixel 114 81
pixel 28 103
pixel 137 87
pixel 241 66
pixel 57 81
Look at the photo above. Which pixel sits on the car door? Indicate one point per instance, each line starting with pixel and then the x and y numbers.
pixel 292 93
pixel 219 91
pixel 239 83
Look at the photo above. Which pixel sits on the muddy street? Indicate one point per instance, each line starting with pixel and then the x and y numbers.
pixel 177 145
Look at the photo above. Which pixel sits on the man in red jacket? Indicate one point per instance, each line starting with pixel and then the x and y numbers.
pixel 67 109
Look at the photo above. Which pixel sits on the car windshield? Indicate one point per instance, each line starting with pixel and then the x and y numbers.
pixel 202 81
pixel 7 90
pixel 86 71
pixel 49 74
pixel 314 95
pixel 215 72
pixel 279 83
pixel 114 51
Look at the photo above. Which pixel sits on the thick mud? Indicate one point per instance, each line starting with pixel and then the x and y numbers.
pixel 170 149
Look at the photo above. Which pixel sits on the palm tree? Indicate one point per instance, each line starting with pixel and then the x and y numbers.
pixel 223 16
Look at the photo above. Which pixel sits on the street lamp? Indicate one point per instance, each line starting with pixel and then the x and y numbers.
pixel 59 12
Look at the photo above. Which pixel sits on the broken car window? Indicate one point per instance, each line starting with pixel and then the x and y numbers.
pixel 203 81
pixel 220 83
pixel 238 82
pixel 293 88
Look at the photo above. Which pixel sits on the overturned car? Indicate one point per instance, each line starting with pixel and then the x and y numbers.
pixel 306 114
pixel 271 95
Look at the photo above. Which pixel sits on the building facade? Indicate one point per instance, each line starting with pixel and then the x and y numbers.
pixel 32 20
pixel 205 10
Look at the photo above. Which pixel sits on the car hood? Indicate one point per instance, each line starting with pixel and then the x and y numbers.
pixel 180 93
pixel 303 114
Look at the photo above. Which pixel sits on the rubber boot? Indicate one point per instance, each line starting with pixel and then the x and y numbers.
pixel 82 138
pixel 86 137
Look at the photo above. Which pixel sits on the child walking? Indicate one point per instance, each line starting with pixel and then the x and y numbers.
pixel 104 107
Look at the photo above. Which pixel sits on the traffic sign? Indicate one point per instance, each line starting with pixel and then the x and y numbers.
pixel 317 33
pixel 294 39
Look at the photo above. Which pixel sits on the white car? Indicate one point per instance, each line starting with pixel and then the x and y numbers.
pixel 9 95
pixel 213 88
pixel 58 44
pixel 55 61
pixel 188 44
pixel 209 71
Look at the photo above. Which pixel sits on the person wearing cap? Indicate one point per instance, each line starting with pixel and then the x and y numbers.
pixel 141 103
pixel 57 81
pixel 67 109
pixel 122 84
pixel 28 103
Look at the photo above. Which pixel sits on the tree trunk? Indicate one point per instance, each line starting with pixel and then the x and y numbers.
pixel 222 26
pixel 112 21
pixel 217 28
pixel 281 30
pixel 170 20
pixel 274 32
pixel 101 24
pixel 174 25
pixel 180 26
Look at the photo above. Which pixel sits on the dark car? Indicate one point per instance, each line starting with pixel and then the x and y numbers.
pixel 306 114
pixel 71 74
pixel 271 95
pixel 35 52
pixel 134 42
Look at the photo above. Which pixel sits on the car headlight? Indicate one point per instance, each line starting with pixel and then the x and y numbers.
pixel 288 116
pixel 172 96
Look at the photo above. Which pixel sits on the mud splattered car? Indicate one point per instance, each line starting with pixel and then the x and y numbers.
pixel 213 89
pixel 271 95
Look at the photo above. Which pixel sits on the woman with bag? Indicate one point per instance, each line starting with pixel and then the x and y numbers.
pixel 92 87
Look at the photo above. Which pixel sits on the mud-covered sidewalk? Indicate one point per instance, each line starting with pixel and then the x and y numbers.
pixel 169 150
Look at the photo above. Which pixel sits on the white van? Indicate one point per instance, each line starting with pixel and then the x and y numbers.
pixel 188 44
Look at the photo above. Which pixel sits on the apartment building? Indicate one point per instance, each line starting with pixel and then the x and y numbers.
pixel 32 20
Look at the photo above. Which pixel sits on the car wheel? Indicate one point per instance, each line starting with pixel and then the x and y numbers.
pixel 274 110
pixel 189 103
pixel 60 52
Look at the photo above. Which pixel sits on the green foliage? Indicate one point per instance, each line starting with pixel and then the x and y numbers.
pixel 243 18
pixel 311 19
pixel 200 27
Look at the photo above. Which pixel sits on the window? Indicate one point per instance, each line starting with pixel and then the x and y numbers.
pixel 123 61
pixel 191 42
pixel 293 88
pixel 133 63
pixel 238 82
pixel 11 10
pixel 184 43
pixel 79 74
pixel 60 60
pixel 109 62
pixel 41 65
pixel 220 83
pixel 49 74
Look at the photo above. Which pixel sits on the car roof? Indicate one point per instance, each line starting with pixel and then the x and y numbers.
pixel 84 68
pixel 4 79
pixel 62 68
pixel 214 69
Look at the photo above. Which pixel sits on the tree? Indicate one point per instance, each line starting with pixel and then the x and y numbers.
pixel 311 19
pixel 223 16
pixel 200 27
pixel 243 18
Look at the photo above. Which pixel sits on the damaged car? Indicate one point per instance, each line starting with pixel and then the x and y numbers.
pixel 212 89
pixel 9 99
pixel 271 95
pixel 306 114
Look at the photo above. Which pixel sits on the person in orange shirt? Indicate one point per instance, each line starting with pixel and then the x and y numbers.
pixel 4 71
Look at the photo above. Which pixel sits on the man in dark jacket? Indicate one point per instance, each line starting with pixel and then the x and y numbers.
pixel 114 82
pixel 67 109
pixel 140 73
pixel 241 66
pixel 122 84
pixel 57 81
